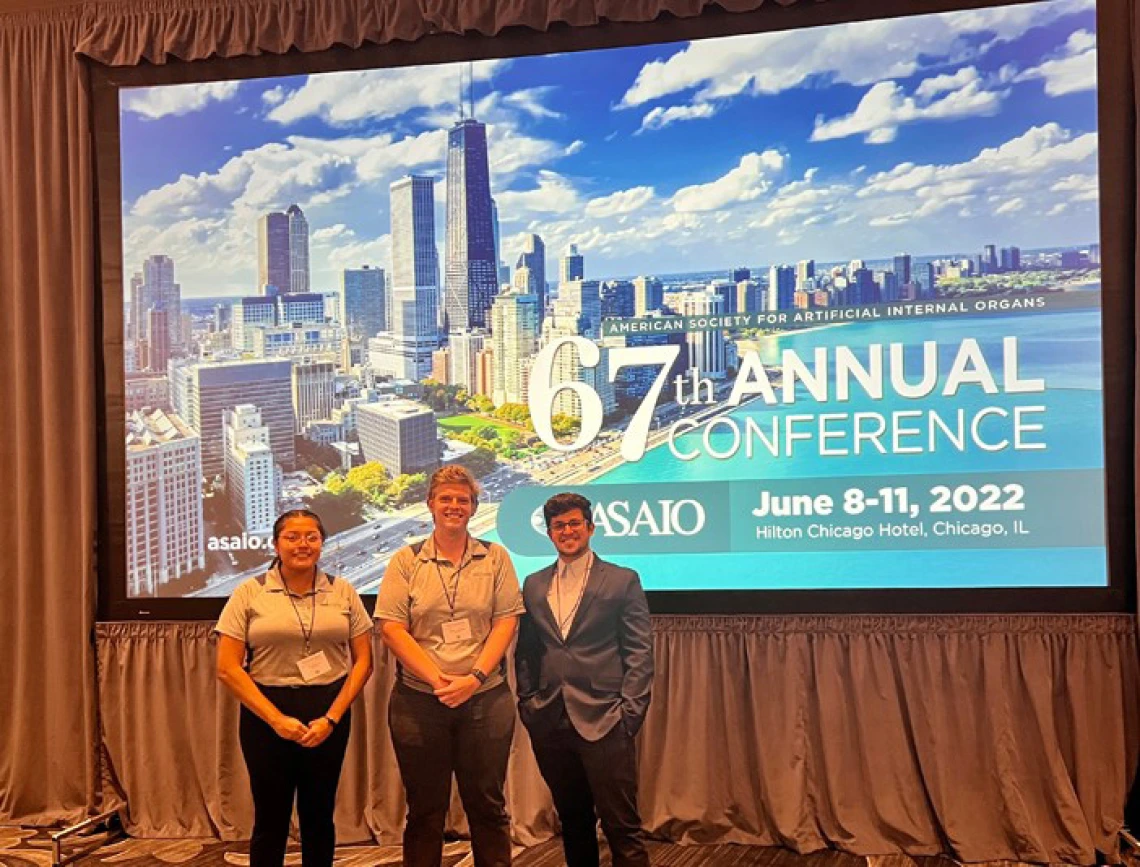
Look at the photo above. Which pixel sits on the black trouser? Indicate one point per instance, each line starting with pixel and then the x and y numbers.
pixel 473 741
pixel 280 770
pixel 587 776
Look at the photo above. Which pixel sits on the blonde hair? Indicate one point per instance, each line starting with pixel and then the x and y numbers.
pixel 453 474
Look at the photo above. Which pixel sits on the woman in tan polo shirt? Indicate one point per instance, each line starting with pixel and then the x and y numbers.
pixel 295 647
pixel 449 607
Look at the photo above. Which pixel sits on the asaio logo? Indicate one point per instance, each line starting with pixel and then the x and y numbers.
pixel 244 542
pixel 620 519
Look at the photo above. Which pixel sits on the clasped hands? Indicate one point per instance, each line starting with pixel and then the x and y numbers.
pixel 312 735
pixel 454 689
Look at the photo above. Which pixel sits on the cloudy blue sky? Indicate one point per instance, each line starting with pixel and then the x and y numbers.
pixel 930 134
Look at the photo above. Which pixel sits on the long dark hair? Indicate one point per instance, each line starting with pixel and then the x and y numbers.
pixel 279 525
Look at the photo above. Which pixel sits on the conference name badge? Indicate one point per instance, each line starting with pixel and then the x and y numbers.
pixel 313 666
pixel 456 630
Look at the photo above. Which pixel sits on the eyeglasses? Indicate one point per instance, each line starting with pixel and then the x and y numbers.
pixel 294 538
pixel 559 526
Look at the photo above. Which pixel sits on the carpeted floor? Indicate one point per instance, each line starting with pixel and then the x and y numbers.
pixel 25 847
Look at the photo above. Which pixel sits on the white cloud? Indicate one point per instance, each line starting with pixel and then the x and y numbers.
pixel 574 147
pixel 1036 152
pixel 620 202
pixel 1083 187
pixel 1072 71
pixel 860 54
pixel 177 99
pixel 660 117
pixel 274 96
pixel 529 101
pixel 554 194
pixel 362 252
pixel 945 83
pixel 1010 207
pixel 329 233
pixel 885 107
pixel 751 178
pixel 345 98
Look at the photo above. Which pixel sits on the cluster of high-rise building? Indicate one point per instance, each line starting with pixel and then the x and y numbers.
pixel 223 404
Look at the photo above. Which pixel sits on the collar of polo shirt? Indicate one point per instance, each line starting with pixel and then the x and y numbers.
pixel 475 548
pixel 275 583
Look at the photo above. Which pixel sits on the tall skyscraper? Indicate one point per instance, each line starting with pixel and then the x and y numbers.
pixel 991 259
pixel 735 275
pixel 157 340
pixel 864 289
pixel 464 348
pixel 707 350
pixel 902 269
pixel 579 304
pixel 274 265
pixel 533 256
pixel 647 295
pixel 781 287
pixel 298 250
pixel 891 284
pixel 415 262
pixel 164 501
pixel 160 292
pixel 748 294
pixel 472 277
pixel 136 325
pixel 805 271
pixel 617 299
pixel 201 392
pixel 727 293
pixel 514 341
pixel 314 390
pixel 362 302
pixel 251 477
pixel 572 266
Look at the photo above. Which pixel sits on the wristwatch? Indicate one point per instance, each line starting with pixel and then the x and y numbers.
pixel 479 675
pixel 330 720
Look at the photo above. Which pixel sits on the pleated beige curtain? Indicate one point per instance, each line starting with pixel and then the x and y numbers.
pixel 987 737
pixel 47 451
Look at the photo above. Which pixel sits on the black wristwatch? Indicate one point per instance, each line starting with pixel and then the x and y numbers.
pixel 331 721
pixel 479 675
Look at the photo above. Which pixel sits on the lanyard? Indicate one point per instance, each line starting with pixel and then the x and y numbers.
pixel 307 636
pixel 454 596
pixel 558 573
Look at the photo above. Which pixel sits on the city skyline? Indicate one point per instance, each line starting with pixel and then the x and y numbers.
pixel 1014 84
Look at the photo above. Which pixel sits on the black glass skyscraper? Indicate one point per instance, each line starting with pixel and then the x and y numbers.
pixel 471 279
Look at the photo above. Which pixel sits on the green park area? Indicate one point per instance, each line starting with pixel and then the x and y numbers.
pixel 471 422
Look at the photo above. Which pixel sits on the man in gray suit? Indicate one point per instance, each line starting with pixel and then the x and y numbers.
pixel 584 667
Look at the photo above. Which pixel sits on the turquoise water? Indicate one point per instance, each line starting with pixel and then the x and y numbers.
pixel 1062 348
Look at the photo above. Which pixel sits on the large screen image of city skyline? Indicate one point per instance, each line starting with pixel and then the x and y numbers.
pixel 816 309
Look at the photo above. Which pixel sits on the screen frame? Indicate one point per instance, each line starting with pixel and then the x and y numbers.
pixel 1117 212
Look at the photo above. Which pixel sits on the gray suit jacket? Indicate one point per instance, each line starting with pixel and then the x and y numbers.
pixel 602 671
